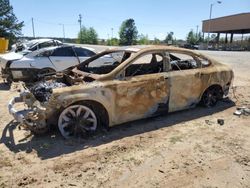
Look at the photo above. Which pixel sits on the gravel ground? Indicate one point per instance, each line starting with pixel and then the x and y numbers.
pixel 182 149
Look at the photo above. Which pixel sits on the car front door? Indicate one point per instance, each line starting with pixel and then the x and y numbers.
pixel 63 58
pixel 144 90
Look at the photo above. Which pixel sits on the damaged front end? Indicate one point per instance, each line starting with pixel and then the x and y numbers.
pixel 37 113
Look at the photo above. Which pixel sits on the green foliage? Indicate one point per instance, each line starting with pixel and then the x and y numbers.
pixel 156 41
pixel 10 28
pixel 194 38
pixel 113 42
pixel 169 38
pixel 143 39
pixel 200 37
pixel 128 32
pixel 191 39
pixel 87 36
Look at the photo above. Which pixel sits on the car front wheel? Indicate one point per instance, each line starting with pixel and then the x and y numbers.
pixel 77 120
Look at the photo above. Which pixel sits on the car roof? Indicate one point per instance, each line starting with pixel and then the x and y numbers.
pixel 33 42
pixel 40 40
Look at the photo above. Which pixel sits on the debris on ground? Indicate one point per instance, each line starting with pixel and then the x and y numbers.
pixel 208 122
pixel 242 111
pixel 220 121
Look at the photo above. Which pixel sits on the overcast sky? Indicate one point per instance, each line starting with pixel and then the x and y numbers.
pixel 152 17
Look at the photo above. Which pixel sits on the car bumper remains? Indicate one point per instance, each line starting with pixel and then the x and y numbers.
pixel 33 118
pixel 19 116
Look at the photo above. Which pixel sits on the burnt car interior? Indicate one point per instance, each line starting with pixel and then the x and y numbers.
pixel 182 62
pixel 148 64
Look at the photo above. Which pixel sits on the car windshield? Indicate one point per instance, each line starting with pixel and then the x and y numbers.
pixel 104 63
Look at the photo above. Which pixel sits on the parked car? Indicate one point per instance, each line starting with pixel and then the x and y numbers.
pixel 33 45
pixel 21 49
pixel 44 61
pixel 141 83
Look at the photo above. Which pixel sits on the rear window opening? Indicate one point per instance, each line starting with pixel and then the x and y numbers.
pixel 180 61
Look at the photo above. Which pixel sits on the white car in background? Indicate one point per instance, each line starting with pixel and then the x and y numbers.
pixel 21 49
pixel 47 60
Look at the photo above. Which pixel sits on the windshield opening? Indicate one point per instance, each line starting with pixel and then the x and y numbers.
pixel 105 63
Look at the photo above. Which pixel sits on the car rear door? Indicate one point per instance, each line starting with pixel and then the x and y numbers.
pixel 83 53
pixel 63 58
pixel 185 82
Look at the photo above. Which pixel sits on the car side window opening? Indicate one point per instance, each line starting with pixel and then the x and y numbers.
pixel 146 64
pixel 107 61
pixel 33 48
pixel 46 44
pixel 66 52
pixel 180 61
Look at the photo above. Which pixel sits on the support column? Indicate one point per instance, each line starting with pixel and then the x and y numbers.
pixel 231 38
pixel 241 42
pixel 218 37
pixel 226 39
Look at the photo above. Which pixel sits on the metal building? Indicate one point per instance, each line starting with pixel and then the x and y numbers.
pixel 233 24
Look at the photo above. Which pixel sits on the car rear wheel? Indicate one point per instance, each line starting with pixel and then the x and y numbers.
pixel 77 120
pixel 211 96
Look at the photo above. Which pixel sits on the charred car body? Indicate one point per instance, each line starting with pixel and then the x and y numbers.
pixel 140 84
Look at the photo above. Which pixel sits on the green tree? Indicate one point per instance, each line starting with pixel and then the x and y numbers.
pixel 169 38
pixel 10 27
pixel 113 42
pixel 156 41
pixel 200 37
pixel 143 39
pixel 128 32
pixel 191 38
pixel 87 36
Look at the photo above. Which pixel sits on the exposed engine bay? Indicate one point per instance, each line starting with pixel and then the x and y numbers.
pixel 43 90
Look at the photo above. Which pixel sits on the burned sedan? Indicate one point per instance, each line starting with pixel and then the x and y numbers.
pixel 141 83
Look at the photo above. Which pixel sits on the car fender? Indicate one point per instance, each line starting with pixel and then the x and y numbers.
pixel 68 96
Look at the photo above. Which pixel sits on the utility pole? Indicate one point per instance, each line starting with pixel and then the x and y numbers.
pixel 80 22
pixel 33 28
pixel 197 31
pixel 63 32
pixel 210 16
pixel 112 35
